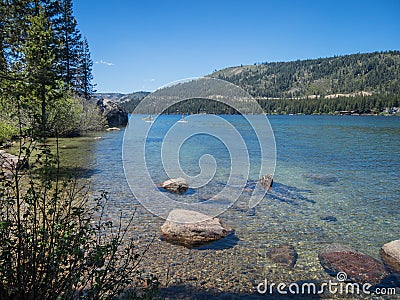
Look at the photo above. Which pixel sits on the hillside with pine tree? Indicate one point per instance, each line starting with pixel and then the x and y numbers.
pixel 369 73
pixel 366 83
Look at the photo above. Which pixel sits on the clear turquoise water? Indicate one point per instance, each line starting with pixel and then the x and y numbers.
pixel 346 167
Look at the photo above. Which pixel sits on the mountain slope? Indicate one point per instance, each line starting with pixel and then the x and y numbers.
pixel 371 73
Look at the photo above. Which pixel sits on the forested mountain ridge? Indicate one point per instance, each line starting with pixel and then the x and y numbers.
pixel 358 83
pixel 371 73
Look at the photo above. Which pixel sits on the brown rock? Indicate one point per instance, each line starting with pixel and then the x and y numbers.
pixel 192 229
pixel 358 266
pixel 266 181
pixel 285 255
pixel 9 162
pixel 178 185
pixel 390 254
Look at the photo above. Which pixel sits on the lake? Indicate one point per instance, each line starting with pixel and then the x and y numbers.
pixel 336 180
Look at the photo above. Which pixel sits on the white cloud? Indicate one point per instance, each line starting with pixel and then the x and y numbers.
pixel 102 62
pixel 150 80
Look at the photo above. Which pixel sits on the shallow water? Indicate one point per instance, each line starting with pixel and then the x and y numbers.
pixel 336 180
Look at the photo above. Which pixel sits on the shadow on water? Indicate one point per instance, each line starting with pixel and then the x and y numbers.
pixel 307 289
pixel 288 194
pixel 190 191
pixel 67 172
pixel 197 293
pixel 227 242
pixel 284 193
pixel 76 172
pixel 279 191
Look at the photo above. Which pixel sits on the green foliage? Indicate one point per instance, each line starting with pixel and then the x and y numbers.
pixel 374 104
pixel 55 242
pixel 302 86
pixel 44 64
pixel 83 86
pixel 130 101
pixel 377 72
pixel 7 131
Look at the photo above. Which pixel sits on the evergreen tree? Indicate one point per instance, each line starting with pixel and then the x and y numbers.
pixel 83 84
pixel 69 39
pixel 42 56
pixel 40 67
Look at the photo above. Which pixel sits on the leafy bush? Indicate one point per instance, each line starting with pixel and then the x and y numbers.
pixel 69 116
pixel 7 131
pixel 55 242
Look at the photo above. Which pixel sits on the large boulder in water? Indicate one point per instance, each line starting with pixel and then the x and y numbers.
pixel 358 266
pixel 116 115
pixel 177 185
pixel 390 254
pixel 191 229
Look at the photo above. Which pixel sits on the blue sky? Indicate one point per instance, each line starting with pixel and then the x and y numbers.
pixel 142 45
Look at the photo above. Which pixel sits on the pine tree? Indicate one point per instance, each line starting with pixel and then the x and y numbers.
pixel 84 86
pixel 69 39
pixel 38 51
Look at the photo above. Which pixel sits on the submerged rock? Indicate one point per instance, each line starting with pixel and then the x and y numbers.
pixel 178 185
pixel 285 255
pixel 191 229
pixel 116 115
pixel 321 179
pixel 358 266
pixel 390 254
pixel 328 218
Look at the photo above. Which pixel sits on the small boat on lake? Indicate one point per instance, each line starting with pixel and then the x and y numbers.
pixel 183 120
pixel 148 119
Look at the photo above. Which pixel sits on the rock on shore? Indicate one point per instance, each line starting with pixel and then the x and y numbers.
pixel 9 162
pixel 390 254
pixel 191 229
pixel 358 266
pixel 116 115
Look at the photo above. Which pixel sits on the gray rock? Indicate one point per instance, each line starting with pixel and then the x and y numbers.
pixel 113 129
pixel 390 254
pixel 191 229
pixel 9 162
pixel 358 266
pixel 177 185
pixel 285 255
pixel 115 114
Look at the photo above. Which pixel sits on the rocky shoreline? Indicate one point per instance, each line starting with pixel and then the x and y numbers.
pixel 227 269
pixel 234 271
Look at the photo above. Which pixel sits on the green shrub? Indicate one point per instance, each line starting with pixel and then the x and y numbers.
pixel 55 242
pixel 7 131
